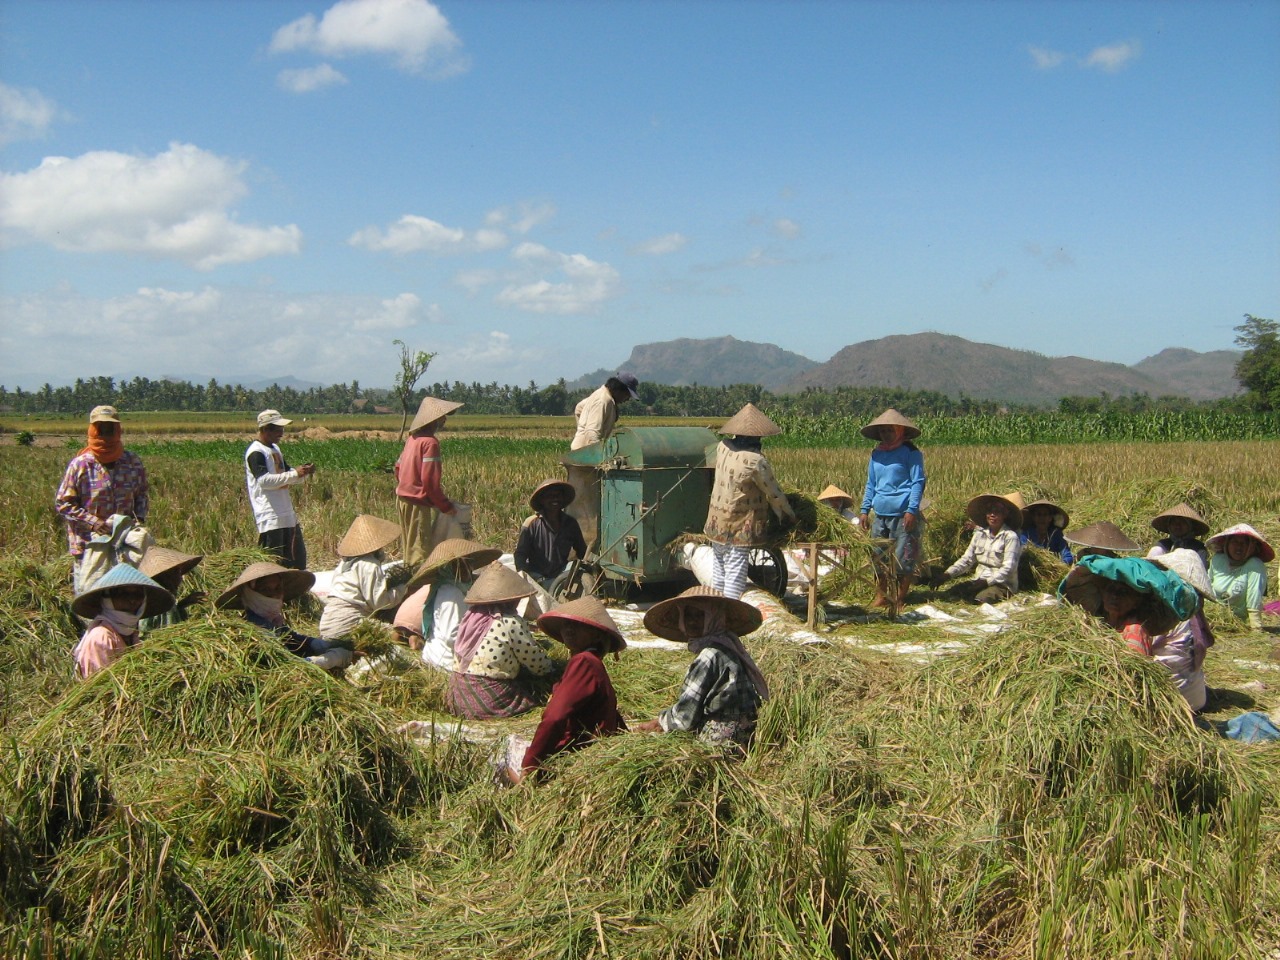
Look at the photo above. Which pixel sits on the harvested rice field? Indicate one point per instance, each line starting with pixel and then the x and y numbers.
pixel 951 784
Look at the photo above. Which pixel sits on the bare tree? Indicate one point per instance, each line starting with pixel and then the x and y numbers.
pixel 412 366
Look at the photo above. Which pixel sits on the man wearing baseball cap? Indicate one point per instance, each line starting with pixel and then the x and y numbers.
pixel 268 478
pixel 102 480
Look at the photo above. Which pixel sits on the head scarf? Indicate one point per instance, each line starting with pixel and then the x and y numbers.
pixel 456 572
pixel 105 450
pixel 270 609
pixel 123 622
pixel 474 626
pixel 898 439
pixel 715 634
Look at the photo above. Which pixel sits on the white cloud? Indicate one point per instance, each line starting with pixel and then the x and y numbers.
pixel 414 33
pixel 412 233
pixel 310 78
pixel 195 334
pixel 584 283
pixel 473 281
pixel 1112 57
pixel 172 206
pixel 659 246
pixel 788 229
pixel 24 114
pixel 523 217
pixel 490 350
pixel 1045 59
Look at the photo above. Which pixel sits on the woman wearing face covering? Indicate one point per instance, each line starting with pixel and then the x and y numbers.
pixel 895 487
pixel 114 605
pixel 102 480
pixel 723 688
pixel 261 592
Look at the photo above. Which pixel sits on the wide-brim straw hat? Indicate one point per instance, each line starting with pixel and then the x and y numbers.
pixel 87 604
pixel 446 552
pixel 1173 600
pixel 498 584
pixel 977 508
pixel 1187 512
pixel 663 619
pixel 158 561
pixel 1060 518
pixel 430 410
pixel 1218 541
pixel 585 610
pixel 296 583
pixel 1103 535
pixel 1188 565
pixel 891 418
pixel 548 485
pixel 834 493
pixel 367 534
pixel 750 421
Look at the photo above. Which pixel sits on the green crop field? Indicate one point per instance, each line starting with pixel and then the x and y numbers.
pixel 1041 793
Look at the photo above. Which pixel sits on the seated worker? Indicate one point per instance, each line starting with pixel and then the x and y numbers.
pixel 723 688
pixel 583 704
pixel 167 568
pixel 1183 529
pixel 113 607
pixel 1182 650
pixel 993 551
pixel 839 501
pixel 260 592
pixel 428 618
pixel 1102 539
pixel 1043 528
pixel 1135 596
pixel 364 581
pixel 1238 571
pixel 550 536
pixel 499 669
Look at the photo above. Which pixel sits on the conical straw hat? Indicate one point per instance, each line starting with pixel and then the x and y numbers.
pixel 546 485
pixel 1188 565
pixel 750 421
pixel 587 610
pixel 1102 535
pixel 1184 510
pixel 891 418
pixel 663 619
pixel 160 560
pixel 446 552
pixel 1060 518
pixel 1012 503
pixel 367 534
pixel 158 599
pixel 834 493
pixel 1218 541
pixel 296 583
pixel 430 410
pixel 498 584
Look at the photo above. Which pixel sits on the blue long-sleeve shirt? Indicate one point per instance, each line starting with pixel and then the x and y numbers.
pixel 895 482
pixel 1054 543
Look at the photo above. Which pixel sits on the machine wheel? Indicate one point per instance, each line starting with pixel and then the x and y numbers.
pixel 768 569
pixel 577 581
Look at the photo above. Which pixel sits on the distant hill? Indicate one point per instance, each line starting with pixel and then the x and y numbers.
pixel 1198 375
pixel 954 365
pixel 713 363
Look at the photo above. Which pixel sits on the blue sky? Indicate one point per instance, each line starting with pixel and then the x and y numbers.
pixel 255 188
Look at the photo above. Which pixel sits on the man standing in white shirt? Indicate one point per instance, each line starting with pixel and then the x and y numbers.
pixel 268 478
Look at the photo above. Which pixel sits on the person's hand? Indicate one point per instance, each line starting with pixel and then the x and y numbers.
pixel 192 598
pixel 453 508
pixel 863 521
pixel 649 726
pixel 306 470
pixel 909 521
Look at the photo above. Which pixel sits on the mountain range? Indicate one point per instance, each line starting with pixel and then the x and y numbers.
pixel 930 361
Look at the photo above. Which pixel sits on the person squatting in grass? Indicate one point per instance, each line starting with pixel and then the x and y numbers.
pixel 167 568
pixel 114 605
pixel 895 486
pixel 268 478
pixel 549 537
pixel 364 581
pixel 429 616
pixel 261 591
pixel 1043 528
pixel 500 670
pixel 722 691
pixel 1238 571
pixel 101 481
pixel 418 473
pixel 993 552
pixel 583 705
pixel 743 493
pixel 1149 605
pixel 1183 528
